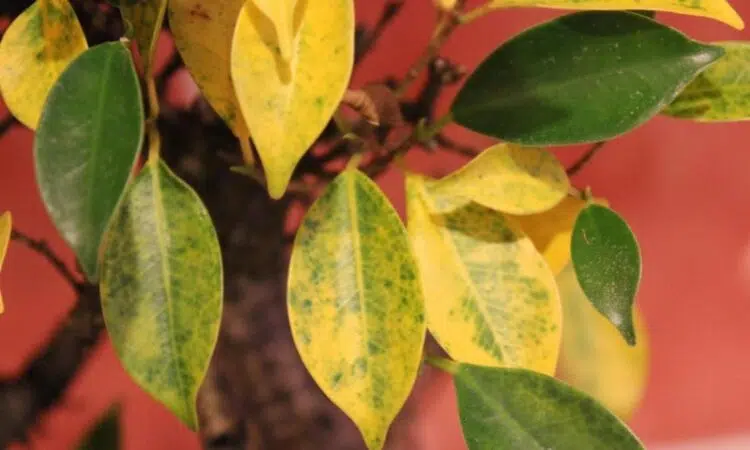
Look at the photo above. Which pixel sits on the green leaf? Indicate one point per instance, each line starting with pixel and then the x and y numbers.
pixel 721 93
pixel 299 96
pixel 146 17
pixel 355 303
pixel 511 409
pixel 584 77
pixel 507 178
pixel 106 433
pixel 607 262
pixel 162 289
pixel 203 32
pixel 86 146
pixel 490 297
pixel 36 48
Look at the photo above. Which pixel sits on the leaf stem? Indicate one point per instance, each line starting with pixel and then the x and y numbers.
pixel 247 151
pixel 476 13
pixel 586 158
pixel 41 247
pixel 443 364
pixel 154 139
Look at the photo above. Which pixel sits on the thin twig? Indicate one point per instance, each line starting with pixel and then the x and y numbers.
pixel 581 163
pixel 7 123
pixel 446 25
pixel 452 146
pixel 371 37
pixel 41 247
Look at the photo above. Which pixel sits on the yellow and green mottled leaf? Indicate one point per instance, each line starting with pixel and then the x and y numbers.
pixel 719 10
pixel 6 222
pixel 551 230
pixel 161 288
pixel 36 48
pixel 288 104
pixel 722 92
pixel 507 178
pixel 146 18
pixel 203 33
pixel 490 297
pixel 281 15
pixel 594 358
pixel 355 304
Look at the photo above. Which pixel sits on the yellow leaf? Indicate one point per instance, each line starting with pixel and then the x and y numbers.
pixel 355 304
pixel 203 33
pixel 287 106
pixel 281 15
pixel 551 230
pixel 719 10
pixel 490 297
pixel 5 227
pixel 146 17
pixel 721 93
pixel 595 358
pixel 35 50
pixel 507 178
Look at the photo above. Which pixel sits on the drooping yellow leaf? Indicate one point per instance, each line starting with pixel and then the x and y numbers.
pixel 203 33
pixel 281 15
pixel 287 105
pixel 721 93
pixel 5 227
pixel 355 305
pixel 146 18
pixel 507 178
pixel 595 358
pixel 719 10
pixel 35 50
pixel 490 297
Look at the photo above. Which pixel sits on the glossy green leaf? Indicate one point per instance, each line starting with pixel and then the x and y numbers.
pixel 287 104
pixel 161 288
pixel 6 223
pixel 86 146
pixel 490 297
pixel 607 261
pixel 512 409
pixel 584 77
pixel 35 49
pixel 203 32
pixel 594 358
pixel 721 93
pixel 146 17
pixel 105 434
pixel 355 303
pixel 508 178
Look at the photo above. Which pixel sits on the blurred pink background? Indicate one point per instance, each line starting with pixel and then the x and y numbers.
pixel 683 187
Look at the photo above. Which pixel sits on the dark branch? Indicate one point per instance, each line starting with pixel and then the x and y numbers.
pixel 586 158
pixel 43 383
pixel 41 247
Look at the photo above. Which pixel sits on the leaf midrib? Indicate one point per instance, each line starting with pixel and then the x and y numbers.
pixel 92 170
pixel 484 314
pixel 161 224
pixel 555 85
pixel 357 249
pixel 499 410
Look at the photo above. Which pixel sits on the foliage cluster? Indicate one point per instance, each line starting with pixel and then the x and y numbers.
pixel 513 270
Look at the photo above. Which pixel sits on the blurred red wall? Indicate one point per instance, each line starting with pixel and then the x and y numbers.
pixel 683 187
